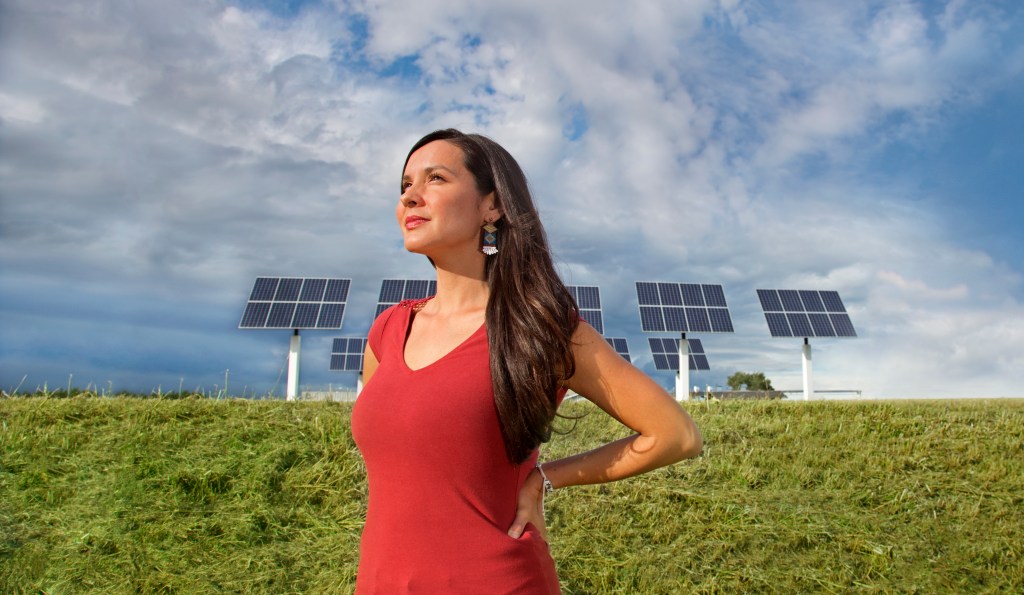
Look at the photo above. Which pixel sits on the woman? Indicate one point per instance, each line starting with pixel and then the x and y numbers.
pixel 461 389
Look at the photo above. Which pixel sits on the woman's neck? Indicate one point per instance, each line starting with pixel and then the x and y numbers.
pixel 460 289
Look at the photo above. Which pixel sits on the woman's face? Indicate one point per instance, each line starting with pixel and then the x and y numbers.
pixel 441 211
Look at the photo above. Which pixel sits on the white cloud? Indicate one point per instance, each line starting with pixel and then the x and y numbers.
pixel 200 144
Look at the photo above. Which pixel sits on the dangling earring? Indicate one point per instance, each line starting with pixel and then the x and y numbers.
pixel 489 239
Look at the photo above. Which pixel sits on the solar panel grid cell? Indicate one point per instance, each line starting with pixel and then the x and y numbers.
pixel 695 346
pixel 790 300
pixel 699 361
pixel 832 301
pixel 721 322
pixel 769 300
pixel 842 324
pixel 697 320
pixel 800 325
pixel 313 290
pixel 669 294
pixel 714 295
pixel 692 295
pixel 651 320
pixel 264 289
pixel 331 316
pixel 306 315
pixel 647 293
pixel 675 319
pixel 281 314
pixel 811 301
pixel 777 324
pixel 337 290
pixel 821 324
pixel 255 315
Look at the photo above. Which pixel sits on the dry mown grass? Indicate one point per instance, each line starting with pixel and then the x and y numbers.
pixel 151 495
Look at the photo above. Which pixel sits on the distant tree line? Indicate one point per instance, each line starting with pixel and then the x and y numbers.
pixel 750 380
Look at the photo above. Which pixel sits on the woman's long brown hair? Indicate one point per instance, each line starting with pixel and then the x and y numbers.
pixel 531 316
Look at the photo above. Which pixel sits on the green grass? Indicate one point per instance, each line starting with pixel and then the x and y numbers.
pixel 180 496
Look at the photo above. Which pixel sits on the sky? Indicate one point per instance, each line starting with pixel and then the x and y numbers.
pixel 156 157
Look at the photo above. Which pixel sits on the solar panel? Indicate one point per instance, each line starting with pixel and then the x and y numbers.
pixel 666 354
pixel 682 308
pixel 393 291
pixel 347 354
pixel 620 346
pixel 588 298
pixel 296 303
pixel 803 313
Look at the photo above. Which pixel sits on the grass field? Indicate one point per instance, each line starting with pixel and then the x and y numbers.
pixel 125 495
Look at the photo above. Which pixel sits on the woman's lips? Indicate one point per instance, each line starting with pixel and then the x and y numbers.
pixel 414 222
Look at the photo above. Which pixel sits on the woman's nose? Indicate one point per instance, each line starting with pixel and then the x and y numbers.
pixel 409 199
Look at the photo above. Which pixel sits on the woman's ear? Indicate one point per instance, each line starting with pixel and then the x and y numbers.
pixel 489 208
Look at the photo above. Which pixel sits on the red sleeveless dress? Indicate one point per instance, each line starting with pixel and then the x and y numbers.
pixel 442 492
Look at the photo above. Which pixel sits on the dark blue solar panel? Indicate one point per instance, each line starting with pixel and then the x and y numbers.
pixel 699 362
pixel 769 300
pixel 791 300
pixel 673 361
pixel 714 296
pixel 593 317
pixel 651 320
pixel 695 346
pixel 821 325
pixel 808 313
pixel 255 315
pixel 313 290
pixel 777 324
pixel 294 302
pixel 669 294
pixel 675 319
pixel 663 346
pixel 264 289
pixel 843 326
pixel 588 297
pixel 381 308
pixel 692 295
pixel 720 320
pixel 812 301
pixel 347 354
pixel 331 316
pixel 281 314
pixel 391 291
pixel 288 290
pixel 647 293
pixel 306 315
pixel 337 290
pixel 620 346
pixel 684 307
pixel 832 301
pixel 800 325
pixel 416 289
pixel 661 362
pixel 697 320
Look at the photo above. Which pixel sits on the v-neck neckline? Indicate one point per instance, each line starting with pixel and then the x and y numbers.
pixel 405 341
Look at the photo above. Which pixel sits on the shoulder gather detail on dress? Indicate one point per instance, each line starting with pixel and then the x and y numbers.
pixel 416 304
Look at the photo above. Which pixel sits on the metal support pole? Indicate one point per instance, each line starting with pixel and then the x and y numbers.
pixel 293 368
pixel 808 375
pixel 683 376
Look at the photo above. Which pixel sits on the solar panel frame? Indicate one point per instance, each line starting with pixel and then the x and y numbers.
pixel 682 307
pixel 805 313
pixel 296 303
pixel 666 354
pixel 588 300
pixel 393 291
pixel 620 346
pixel 347 354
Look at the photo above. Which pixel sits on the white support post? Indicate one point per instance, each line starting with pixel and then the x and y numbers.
pixel 359 384
pixel 683 376
pixel 293 368
pixel 808 375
